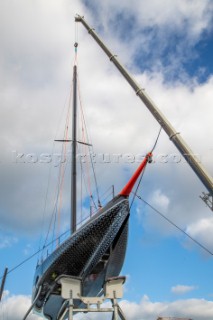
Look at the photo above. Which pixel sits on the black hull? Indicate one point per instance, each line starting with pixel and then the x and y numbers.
pixel 94 252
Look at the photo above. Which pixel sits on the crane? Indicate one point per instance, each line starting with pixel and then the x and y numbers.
pixel 174 136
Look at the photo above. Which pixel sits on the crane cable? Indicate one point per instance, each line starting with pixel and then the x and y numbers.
pixel 174 224
pixel 160 213
pixel 156 141
pixel 142 174
pixel 140 198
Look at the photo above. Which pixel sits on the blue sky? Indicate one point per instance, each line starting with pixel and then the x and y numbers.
pixel 167 46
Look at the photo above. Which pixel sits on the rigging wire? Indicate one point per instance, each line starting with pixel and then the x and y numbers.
pixel 156 141
pixel 139 182
pixel 174 224
pixel 63 166
pixel 48 181
pixel 107 197
pixel 34 254
pixel 109 190
pixel 40 250
pixel 160 213
pixel 52 223
pixel 54 226
pixel 62 169
pixel 83 178
pixel 95 178
pixel 140 198
pixel 45 202
pixel 86 138
pixel 81 195
pixel 83 174
pixel 135 195
pixel 85 135
pixel 142 174
pixel 53 216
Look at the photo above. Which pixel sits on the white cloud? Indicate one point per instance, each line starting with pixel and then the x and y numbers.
pixel 35 74
pixel 16 305
pixel 6 241
pixel 28 249
pixel 150 29
pixel 36 54
pixel 193 308
pixel 181 289
pixel 146 309
pixel 194 16
pixel 201 230
pixel 160 200
pixel 5 294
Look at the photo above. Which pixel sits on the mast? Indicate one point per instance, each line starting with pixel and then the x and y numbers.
pixel 3 282
pixel 74 144
pixel 174 136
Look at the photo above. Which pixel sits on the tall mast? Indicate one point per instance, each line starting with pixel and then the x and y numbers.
pixel 3 282
pixel 74 144
pixel 174 136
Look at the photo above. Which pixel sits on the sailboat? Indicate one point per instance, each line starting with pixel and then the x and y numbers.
pixel 94 252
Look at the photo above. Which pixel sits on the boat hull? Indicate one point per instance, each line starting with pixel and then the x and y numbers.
pixel 94 252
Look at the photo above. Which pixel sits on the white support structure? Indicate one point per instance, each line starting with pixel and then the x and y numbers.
pixel 71 290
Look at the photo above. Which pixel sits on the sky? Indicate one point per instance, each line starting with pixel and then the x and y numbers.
pixel 167 47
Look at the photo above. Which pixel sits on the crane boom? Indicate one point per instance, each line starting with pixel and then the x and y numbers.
pixel 174 136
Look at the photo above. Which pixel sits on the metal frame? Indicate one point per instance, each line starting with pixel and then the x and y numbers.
pixel 71 290
pixel 208 199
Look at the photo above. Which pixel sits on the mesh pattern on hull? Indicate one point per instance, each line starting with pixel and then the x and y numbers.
pixel 79 255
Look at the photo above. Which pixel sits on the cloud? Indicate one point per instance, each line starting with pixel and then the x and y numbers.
pixel 154 40
pixel 16 305
pixel 157 35
pixel 160 200
pixel 28 249
pixel 29 39
pixel 146 309
pixel 177 15
pixel 5 294
pixel 36 71
pixel 6 241
pixel 201 229
pixel 181 289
